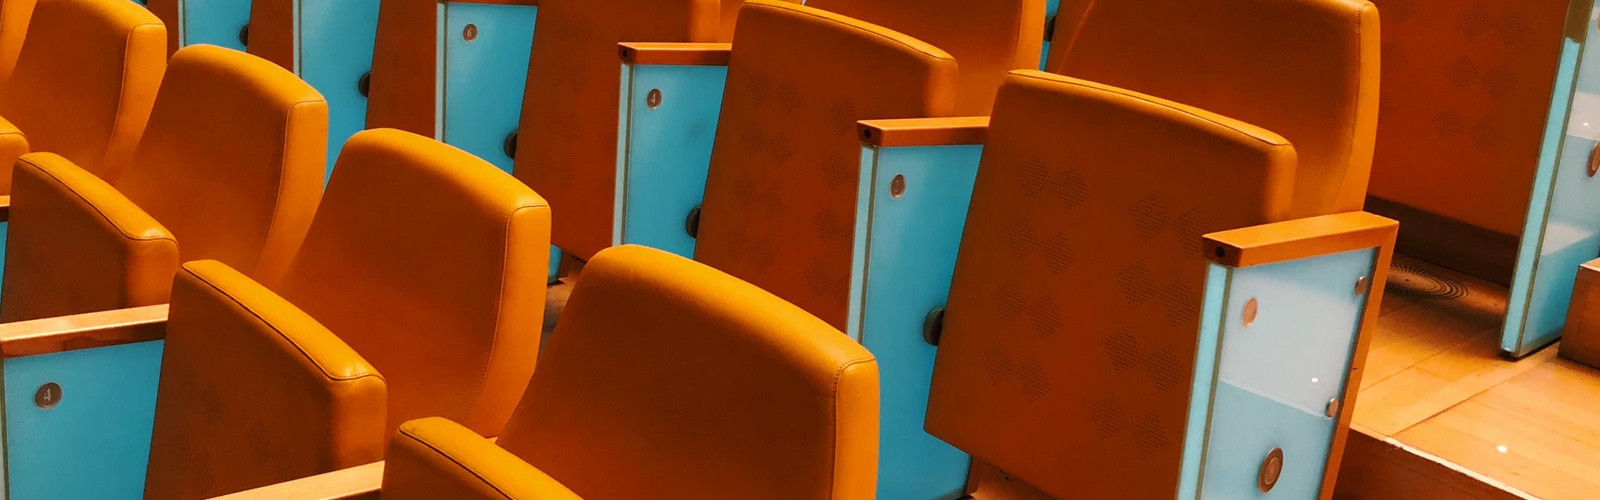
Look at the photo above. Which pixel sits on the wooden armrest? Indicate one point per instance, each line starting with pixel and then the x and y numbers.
pixel 1299 239
pixel 83 331
pixel 361 481
pixel 954 131
pixel 675 54
pixel 5 208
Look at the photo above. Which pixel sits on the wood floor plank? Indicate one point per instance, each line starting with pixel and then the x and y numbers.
pixel 1534 460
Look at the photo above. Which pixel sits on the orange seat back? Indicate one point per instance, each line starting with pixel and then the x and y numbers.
pixel 84 82
pixel 14 17
pixel 434 273
pixel 569 109
pixel 1306 69
pixel 231 166
pixel 1071 328
pixel 668 379
pixel 780 204
pixel 989 38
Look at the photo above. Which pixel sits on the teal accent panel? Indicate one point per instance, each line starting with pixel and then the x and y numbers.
pixel 334 50
pixel 909 258
pixel 213 22
pixel 555 265
pixel 1562 228
pixel 484 78
pixel 1050 9
pixel 665 153
pixel 1205 377
pixel 4 228
pixel 1276 377
pixel 95 443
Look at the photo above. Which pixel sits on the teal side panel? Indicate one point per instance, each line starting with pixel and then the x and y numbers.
pixel 910 259
pixel 484 78
pixel 95 443
pixel 3 230
pixel 1277 377
pixel 1205 376
pixel 334 51
pixel 666 151
pixel 1562 229
pixel 214 22
pixel 1050 9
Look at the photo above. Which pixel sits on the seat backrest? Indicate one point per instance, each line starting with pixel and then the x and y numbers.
pixel 93 109
pixel 693 383
pixel 233 159
pixel 1072 323
pixel 14 17
pixel 780 201
pixel 254 392
pixel 569 107
pixel 989 38
pixel 1306 69
pixel 729 18
pixel 431 263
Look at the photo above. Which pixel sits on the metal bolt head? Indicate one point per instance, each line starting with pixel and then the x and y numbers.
pixel 897 186
pixel 244 35
pixel 1271 468
pixel 691 224
pixel 510 145
pixel 364 84
pixel 469 33
pixel 48 396
pixel 933 326
pixel 1251 307
pixel 1362 285
pixel 1333 408
pixel 1594 160
pixel 653 99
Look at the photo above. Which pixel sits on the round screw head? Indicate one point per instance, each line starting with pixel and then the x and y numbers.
pixel 1362 285
pixel 691 224
pixel 653 99
pixel 244 35
pixel 48 396
pixel 897 187
pixel 1251 307
pixel 470 32
pixel 1271 468
pixel 933 326
pixel 364 85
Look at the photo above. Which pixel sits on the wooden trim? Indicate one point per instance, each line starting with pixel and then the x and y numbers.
pixel 1299 239
pixel 83 331
pixel 1375 468
pixel 5 208
pixel 956 131
pixel 1451 243
pixel 1580 340
pixel 675 54
pixel 359 482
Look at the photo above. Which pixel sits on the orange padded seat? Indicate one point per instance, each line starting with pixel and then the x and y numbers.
pixel 1070 335
pixel 419 292
pixel 83 84
pixel 786 159
pixel 14 17
pixel 230 169
pixel 1307 69
pixel 667 379
pixel 570 103
pixel 987 37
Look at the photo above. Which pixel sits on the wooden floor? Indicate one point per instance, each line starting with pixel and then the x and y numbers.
pixel 1436 383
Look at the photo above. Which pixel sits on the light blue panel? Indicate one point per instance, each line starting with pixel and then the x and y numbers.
pixel 1050 9
pixel 484 78
pixel 665 153
pixel 334 50
pixel 95 443
pixel 555 265
pixel 4 228
pixel 1205 377
pixel 1562 229
pixel 214 22
pixel 1276 377
pixel 910 257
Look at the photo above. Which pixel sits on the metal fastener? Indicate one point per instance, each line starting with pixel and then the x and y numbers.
pixel 933 326
pixel 897 187
pixel 244 35
pixel 1333 408
pixel 1271 467
pixel 364 85
pixel 1361 285
pixel 1251 307
pixel 691 224
pixel 48 396
pixel 1594 160
pixel 469 33
pixel 510 145
pixel 653 99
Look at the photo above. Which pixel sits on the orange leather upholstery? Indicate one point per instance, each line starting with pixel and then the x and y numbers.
pixel 1070 334
pixel 435 458
pixel 668 379
pixel 93 109
pixel 989 38
pixel 570 103
pixel 76 245
pixel 14 17
pixel 451 317
pixel 1306 69
pixel 253 391
pixel 785 163
pixel 231 166
pixel 730 14
pixel 374 325
pixel 167 11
